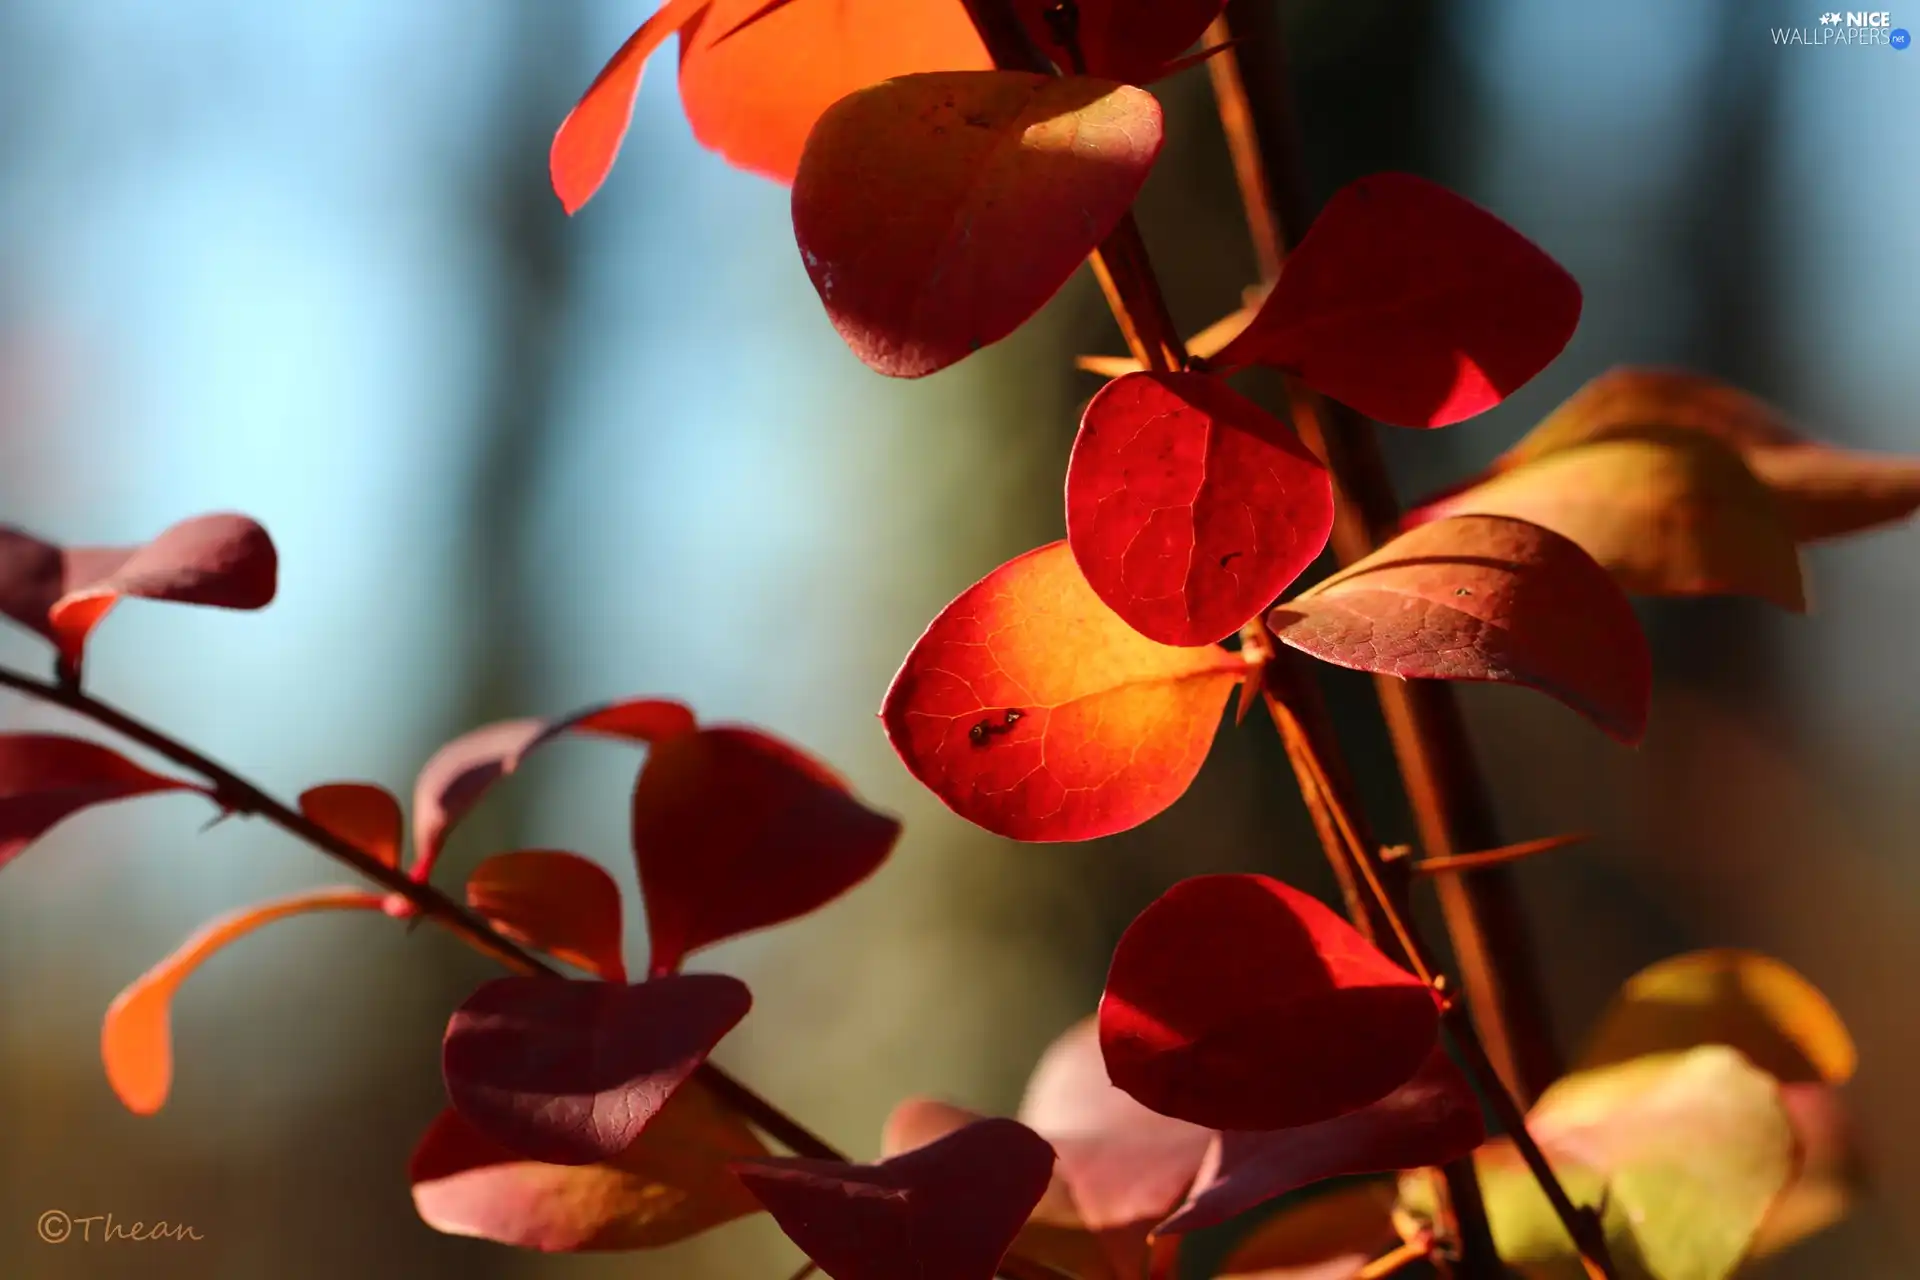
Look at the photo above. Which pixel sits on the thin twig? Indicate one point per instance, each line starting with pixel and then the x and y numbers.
pixel 1388 1263
pixel 1448 798
pixel 238 795
pixel 1497 857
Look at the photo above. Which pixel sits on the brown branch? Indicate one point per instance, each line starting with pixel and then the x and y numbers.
pixel 1496 857
pixel 1449 801
pixel 241 796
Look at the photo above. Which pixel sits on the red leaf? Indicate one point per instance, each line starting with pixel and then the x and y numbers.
pixel 1189 507
pixel 754 93
pixel 937 212
pixel 734 830
pixel 362 814
pixel 946 1211
pixel 1429 1120
pixel 136 1039
pixel 589 138
pixel 453 781
pixel 560 903
pixel 1032 709
pixel 1129 40
pixel 46 778
pixel 222 561
pixel 571 1072
pixel 1412 305
pixel 671 1184
pixel 1484 598
pixel 1237 1002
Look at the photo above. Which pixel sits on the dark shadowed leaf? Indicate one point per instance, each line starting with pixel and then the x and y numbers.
pixel 1189 507
pixel 1129 40
pixel 1752 1002
pixel 136 1037
pixel 754 93
pixel 1032 709
pixel 1237 1002
pixel 945 1211
pixel 1825 491
pixel 1484 598
pixel 1412 305
pixel 571 1072
pixel 735 830
pixel 46 778
pixel 670 1184
pixel 462 771
pixel 1429 1120
pixel 1669 512
pixel 222 561
pixel 559 903
pixel 1330 1237
pixel 936 212
pixel 589 138
pixel 1686 1150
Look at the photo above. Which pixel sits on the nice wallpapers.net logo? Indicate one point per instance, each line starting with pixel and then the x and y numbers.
pixel 1864 29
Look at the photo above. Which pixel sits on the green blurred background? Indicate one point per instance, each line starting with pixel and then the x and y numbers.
pixel 300 260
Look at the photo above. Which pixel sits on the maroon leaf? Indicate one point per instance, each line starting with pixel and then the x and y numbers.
pixel 1484 598
pixel 46 778
pixel 1189 507
pixel 1237 1002
pixel 223 561
pixel 1429 1120
pixel 1412 305
pixel 462 771
pixel 735 830
pixel 945 1211
pixel 571 1072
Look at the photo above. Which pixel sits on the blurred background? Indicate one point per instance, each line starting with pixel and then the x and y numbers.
pixel 301 260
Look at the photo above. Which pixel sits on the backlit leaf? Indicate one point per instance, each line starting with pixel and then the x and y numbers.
pixel 1752 1002
pixel 1189 507
pixel 571 1072
pixel 1129 40
pixel 1825 491
pixel 362 814
pixel 589 138
pixel 136 1037
pixel 1412 305
pixel 670 1184
pixel 754 93
pixel 222 561
pixel 945 1211
pixel 1830 1175
pixel 1688 1150
pixel 46 778
pixel 1032 709
pixel 1330 1237
pixel 1237 1002
pixel 560 903
pixel 735 830
pixel 1483 598
pixel 1669 512
pixel 1431 1119
pixel 462 771
pixel 936 212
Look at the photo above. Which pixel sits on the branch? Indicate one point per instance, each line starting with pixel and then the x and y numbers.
pixel 242 796
pixel 1450 804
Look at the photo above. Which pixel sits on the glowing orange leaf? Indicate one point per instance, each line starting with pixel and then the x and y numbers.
pixel 560 903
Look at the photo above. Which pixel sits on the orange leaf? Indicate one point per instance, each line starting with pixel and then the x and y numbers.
pixel 1670 512
pixel 1483 598
pixel 937 212
pixel 136 1041
pixel 1329 1237
pixel 561 903
pixel 1826 491
pixel 589 138
pixel 754 93
pixel 362 814
pixel 1032 709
